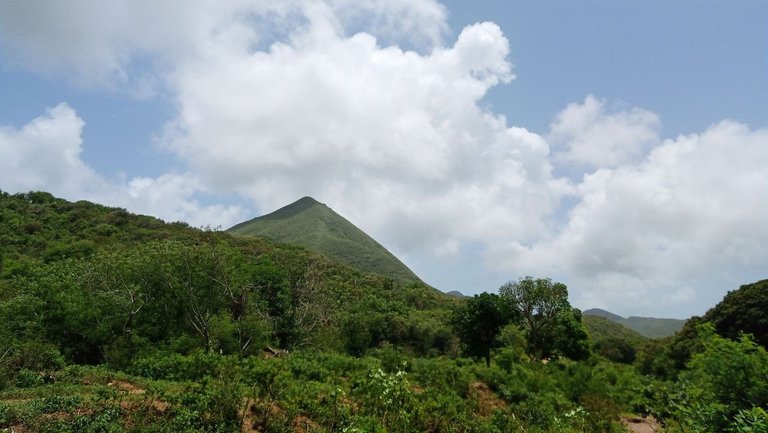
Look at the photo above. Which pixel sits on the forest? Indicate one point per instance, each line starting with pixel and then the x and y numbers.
pixel 113 322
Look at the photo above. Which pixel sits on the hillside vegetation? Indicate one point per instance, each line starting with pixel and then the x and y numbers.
pixel 117 322
pixel 318 228
pixel 650 327
pixel 613 340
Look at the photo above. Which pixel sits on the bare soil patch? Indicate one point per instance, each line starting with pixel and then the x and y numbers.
pixel 127 387
pixel 641 425
pixel 487 401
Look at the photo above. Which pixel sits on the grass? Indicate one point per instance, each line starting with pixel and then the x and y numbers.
pixel 318 228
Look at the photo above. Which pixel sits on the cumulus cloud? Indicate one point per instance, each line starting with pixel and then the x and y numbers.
pixel 692 213
pixel 390 137
pixel 128 45
pixel 589 135
pixel 422 23
pixel 45 154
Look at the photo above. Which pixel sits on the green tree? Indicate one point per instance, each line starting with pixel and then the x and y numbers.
pixel 743 311
pixel 552 326
pixel 726 379
pixel 479 321
pixel 569 337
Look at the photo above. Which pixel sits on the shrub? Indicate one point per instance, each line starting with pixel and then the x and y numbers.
pixel 174 366
pixel 726 380
pixel 57 403
pixel 754 420
pixel 28 379
pixel 388 397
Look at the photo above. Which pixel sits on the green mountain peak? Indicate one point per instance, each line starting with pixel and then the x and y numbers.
pixel 303 204
pixel 319 228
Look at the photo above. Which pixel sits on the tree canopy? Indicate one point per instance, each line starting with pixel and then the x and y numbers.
pixel 552 326
pixel 479 321
pixel 743 311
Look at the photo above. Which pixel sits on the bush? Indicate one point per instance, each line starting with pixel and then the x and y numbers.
pixel 28 379
pixel 754 420
pixel 723 382
pixel 57 403
pixel 174 366
pixel 388 397
pixel 7 415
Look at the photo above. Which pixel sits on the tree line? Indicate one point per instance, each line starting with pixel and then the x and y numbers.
pixel 82 284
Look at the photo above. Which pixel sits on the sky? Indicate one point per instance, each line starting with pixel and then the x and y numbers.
pixel 620 147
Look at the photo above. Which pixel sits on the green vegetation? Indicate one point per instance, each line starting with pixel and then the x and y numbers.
pixel 552 327
pixel 318 228
pixel 612 340
pixel 743 311
pixel 650 327
pixel 479 322
pixel 115 322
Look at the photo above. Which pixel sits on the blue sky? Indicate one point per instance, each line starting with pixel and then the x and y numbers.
pixel 619 147
pixel 693 63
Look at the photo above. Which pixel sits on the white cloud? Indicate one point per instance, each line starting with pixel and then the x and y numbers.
pixel 692 213
pixel 128 45
pixel 420 23
pixel 45 153
pixel 590 136
pixel 393 139
pixel 174 197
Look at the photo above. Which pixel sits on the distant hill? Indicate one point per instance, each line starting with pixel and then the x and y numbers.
pixel 650 327
pixel 612 340
pixel 605 314
pixel 318 228
pixel 601 328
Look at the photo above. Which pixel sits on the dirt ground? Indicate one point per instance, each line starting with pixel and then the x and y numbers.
pixel 642 425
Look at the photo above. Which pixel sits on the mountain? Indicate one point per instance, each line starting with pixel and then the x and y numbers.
pixel 650 327
pixel 653 327
pixel 318 228
pixel 612 340
pixel 601 328
pixel 141 277
pixel 605 314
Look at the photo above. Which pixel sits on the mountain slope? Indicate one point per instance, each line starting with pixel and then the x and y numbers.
pixel 654 327
pixel 612 340
pixel 650 327
pixel 318 228
pixel 601 329
pixel 604 314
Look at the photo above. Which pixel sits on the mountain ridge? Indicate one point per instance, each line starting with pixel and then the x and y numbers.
pixel 315 226
pixel 651 327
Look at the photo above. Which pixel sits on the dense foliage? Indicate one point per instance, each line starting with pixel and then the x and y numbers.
pixel 479 322
pixel 552 326
pixel 612 340
pixel 117 322
pixel 743 311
